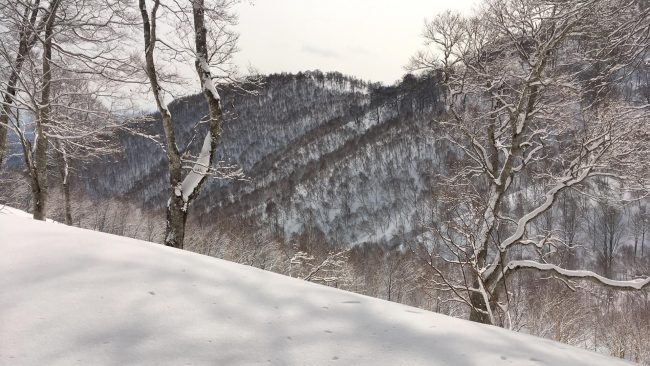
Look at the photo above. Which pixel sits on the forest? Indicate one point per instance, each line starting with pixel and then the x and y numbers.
pixel 505 179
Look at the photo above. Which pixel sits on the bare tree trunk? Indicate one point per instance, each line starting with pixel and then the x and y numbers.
pixel 39 171
pixel 39 160
pixel 176 208
pixel 479 311
pixel 478 303
pixel 176 219
pixel 644 227
pixel 66 199
pixel 64 172
pixel 40 184
pixel 209 90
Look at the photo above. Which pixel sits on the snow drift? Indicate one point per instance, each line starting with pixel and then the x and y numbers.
pixel 73 296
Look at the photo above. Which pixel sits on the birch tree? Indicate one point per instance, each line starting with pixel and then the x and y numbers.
pixel 213 48
pixel 532 96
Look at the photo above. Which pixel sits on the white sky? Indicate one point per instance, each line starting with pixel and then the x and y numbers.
pixel 369 39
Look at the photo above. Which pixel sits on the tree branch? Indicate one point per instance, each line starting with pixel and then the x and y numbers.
pixel 636 284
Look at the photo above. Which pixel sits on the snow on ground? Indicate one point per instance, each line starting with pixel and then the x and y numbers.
pixel 73 296
pixel 6 210
pixel 13 211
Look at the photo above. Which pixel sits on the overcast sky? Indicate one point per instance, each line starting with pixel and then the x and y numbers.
pixel 370 39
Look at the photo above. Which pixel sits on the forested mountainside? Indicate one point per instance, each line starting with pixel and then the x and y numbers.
pixel 323 152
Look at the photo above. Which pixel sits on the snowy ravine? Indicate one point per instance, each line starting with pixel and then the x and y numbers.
pixel 78 297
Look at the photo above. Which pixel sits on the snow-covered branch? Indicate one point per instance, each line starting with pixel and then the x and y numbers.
pixel 635 284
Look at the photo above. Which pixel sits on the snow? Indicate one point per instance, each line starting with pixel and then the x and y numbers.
pixel 73 296
pixel 199 170
pixel 161 101
pixel 206 78
pixel 6 210
pixel 636 284
pixel 12 211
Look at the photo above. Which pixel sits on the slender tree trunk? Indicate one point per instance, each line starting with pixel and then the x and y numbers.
pixel 209 90
pixel 39 179
pixel 40 184
pixel 176 208
pixel 38 169
pixel 4 119
pixel 610 254
pixel 390 287
pixel 64 172
pixel 40 188
pixel 66 199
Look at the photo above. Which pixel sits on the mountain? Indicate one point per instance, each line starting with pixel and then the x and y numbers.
pixel 323 152
pixel 74 296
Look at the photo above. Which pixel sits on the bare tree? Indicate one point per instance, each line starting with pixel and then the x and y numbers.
pixel 639 228
pixel 611 226
pixel 532 96
pixel 22 23
pixel 86 31
pixel 81 129
pixel 214 44
pixel 331 271
pixel 35 152
pixel 73 49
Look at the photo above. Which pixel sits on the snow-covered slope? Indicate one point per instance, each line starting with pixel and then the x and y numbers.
pixel 6 210
pixel 78 297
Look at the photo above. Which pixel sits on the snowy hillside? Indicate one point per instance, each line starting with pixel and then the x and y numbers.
pixel 72 296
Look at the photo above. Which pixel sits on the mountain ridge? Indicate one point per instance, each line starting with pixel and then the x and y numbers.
pixel 297 133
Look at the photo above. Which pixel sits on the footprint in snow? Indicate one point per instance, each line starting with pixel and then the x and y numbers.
pixel 350 302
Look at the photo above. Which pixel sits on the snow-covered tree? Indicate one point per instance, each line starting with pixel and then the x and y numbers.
pixel 35 152
pixel 533 95
pixel 21 21
pixel 214 46
pixel 55 98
